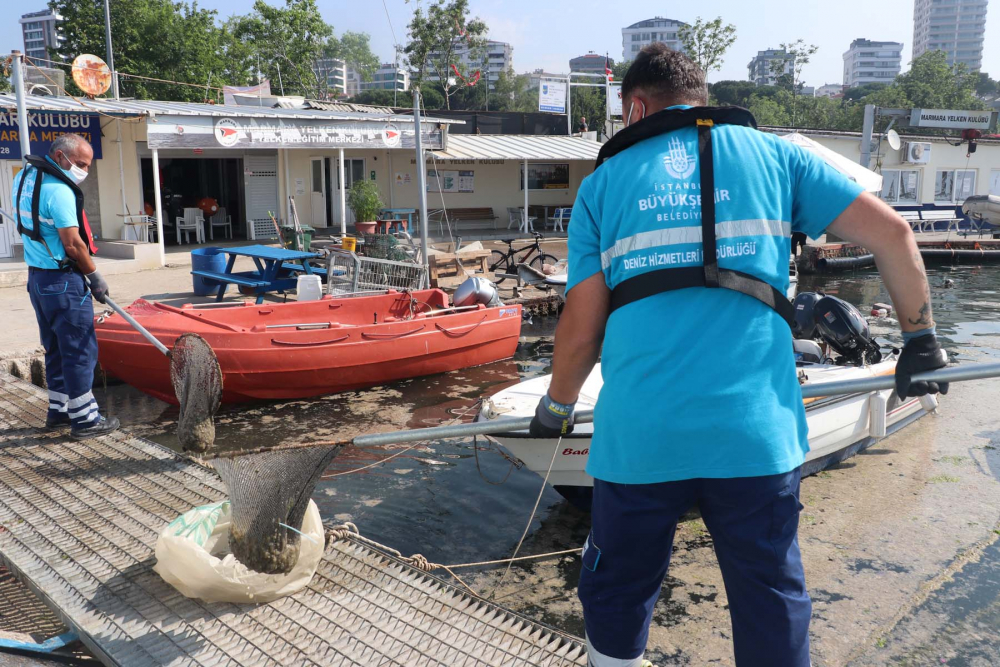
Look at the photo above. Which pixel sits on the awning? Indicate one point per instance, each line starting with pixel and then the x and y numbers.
pixel 533 148
pixel 866 178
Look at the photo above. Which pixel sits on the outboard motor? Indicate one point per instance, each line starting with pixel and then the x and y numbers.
pixel 843 328
pixel 804 326
pixel 475 291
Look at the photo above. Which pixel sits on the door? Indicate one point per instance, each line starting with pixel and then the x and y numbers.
pixel 995 182
pixel 261 188
pixel 317 192
pixel 354 170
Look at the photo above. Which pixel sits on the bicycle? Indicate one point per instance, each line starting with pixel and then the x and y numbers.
pixel 506 262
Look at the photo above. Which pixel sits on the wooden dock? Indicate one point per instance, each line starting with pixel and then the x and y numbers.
pixel 78 526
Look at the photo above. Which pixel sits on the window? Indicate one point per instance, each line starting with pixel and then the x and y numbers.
pixel 954 186
pixel 546 176
pixel 900 186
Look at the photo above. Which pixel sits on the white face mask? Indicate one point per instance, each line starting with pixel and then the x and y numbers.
pixel 78 175
pixel 632 106
pixel 75 174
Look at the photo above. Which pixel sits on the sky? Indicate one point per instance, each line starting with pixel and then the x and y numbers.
pixel 547 34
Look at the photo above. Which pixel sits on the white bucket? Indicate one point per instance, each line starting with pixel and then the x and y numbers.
pixel 309 288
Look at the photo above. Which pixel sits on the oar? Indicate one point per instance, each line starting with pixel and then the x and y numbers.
pixel 197 380
pixel 493 427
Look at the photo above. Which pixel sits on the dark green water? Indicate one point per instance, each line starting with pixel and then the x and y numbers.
pixel 434 499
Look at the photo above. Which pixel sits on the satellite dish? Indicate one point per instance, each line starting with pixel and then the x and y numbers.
pixel 893 138
pixel 91 74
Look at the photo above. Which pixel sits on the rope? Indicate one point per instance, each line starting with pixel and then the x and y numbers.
pixel 541 491
pixel 129 119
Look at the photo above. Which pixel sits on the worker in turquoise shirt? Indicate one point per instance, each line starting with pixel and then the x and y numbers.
pixel 63 280
pixel 678 266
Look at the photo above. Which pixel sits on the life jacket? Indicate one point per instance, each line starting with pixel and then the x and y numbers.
pixel 709 274
pixel 35 233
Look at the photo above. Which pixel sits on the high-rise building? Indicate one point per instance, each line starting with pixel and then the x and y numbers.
pixel 656 29
pixel 332 74
pixel 41 33
pixel 388 76
pixel 768 65
pixel 872 62
pixel 956 27
pixel 496 58
pixel 591 63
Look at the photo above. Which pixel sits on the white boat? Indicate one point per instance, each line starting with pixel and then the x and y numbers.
pixel 839 426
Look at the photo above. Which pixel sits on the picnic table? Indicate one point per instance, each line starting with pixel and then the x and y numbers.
pixel 276 270
pixel 388 225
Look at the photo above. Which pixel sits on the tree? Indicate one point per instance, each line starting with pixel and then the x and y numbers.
pixel 732 93
pixel 618 70
pixel 932 84
pixel 706 42
pixel 769 111
pixel 286 41
pixel 800 54
pixel 382 98
pixel 986 87
pixel 354 48
pixel 865 89
pixel 153 38
pixel 437 37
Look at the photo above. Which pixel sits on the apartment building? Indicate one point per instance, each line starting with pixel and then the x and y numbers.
pixel 496 58
pixel 656 29
pixel 41 33
pixel 764 69
pixel 956 27
pixel 867 61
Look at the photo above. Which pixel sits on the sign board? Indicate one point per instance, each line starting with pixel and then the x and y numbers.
pixel 552 95
pixel 441 180
pixel 45 127
pixel 240 133
pixel 615 99
pixel 953 120
pixel 300 186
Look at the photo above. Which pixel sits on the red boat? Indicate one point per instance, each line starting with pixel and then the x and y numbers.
pixel 309 348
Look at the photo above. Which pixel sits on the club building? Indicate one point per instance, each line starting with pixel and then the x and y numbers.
pixel 249 160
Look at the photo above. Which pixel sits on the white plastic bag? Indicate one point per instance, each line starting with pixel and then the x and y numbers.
pixel 187 557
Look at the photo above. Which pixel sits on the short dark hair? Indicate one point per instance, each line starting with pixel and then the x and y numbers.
pixel 668 76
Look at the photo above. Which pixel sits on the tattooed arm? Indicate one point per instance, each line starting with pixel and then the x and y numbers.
pixel 874 225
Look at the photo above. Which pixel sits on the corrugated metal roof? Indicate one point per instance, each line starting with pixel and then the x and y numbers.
pixel 347 106
pixel 152 108
pixel 517 147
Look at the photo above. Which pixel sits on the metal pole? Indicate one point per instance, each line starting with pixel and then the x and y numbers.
pixel 17 78
pixel 343 192
pixel 421 184
pixel 508 425
pixel 569 125
pixel 159 206
pixel 111 55
pixel 866 136
pixel 524 221
pixel 121 178
pixel 288 185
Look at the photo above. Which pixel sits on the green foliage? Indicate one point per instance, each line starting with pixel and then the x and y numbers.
pixel 513 92
pixel 707 41
pixel 4 82
pixel 365 200
pixel 591 104
pixel 435 37
pixel 865 89
pixel 618 70
pixel 286 42
pixel 932 84
pixel 153 38
pixel 770 112
pixel 355 49
pixel 732 93
pixel 384 98
pixel 986 87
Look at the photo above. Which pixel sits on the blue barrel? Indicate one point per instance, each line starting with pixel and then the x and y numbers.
pixel 207 259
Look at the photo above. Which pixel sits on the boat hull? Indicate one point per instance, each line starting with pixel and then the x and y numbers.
pixel 839 427
pixel 282 361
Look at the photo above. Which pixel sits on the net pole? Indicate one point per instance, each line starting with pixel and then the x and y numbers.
pixel 422 185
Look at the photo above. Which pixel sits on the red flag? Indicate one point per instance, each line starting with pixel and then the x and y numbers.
pixel 607 68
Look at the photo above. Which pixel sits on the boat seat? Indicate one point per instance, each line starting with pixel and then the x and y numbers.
pixel 231 278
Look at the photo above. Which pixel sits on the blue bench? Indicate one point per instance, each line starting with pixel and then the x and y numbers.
pixel 231 278
pixel 298 268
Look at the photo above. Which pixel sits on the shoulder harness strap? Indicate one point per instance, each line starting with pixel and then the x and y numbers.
pixel 43 166
pixel 709 274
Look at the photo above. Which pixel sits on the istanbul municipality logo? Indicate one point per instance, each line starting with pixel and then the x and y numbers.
pixel 677 161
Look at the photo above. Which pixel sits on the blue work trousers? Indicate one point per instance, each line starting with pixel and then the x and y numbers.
pixel 64 309
pixel 753 522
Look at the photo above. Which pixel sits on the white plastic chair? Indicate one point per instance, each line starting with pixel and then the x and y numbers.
pixel 562 215
pixel 515 216
pixel 220 219
pixel 527 223
pixel 193 221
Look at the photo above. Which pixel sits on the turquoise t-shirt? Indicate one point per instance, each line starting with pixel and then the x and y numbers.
pixel 699 382
pixel 56 209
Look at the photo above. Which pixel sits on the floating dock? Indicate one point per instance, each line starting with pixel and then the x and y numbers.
pixel 835 257
pixel 78 526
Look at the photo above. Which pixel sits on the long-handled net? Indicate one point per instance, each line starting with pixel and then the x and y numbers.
pixel 197 380
pixel 269 491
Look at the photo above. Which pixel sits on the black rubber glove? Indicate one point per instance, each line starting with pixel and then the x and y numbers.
pixel 552 419
pixel 920 354
pixel 98 286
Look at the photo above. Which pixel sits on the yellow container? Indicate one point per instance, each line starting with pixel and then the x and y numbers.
pixel 348 243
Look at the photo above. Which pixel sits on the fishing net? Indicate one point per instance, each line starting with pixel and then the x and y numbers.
pixel 269 491
pixel 197 380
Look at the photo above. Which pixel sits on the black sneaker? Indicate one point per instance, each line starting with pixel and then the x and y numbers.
pixel 103 427
pixel 61 420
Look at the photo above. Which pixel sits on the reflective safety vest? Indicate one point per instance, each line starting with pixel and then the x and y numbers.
pixel 43 166
pixel 709 274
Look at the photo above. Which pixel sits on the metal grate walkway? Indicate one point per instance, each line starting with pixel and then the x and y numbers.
pixel 78 525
